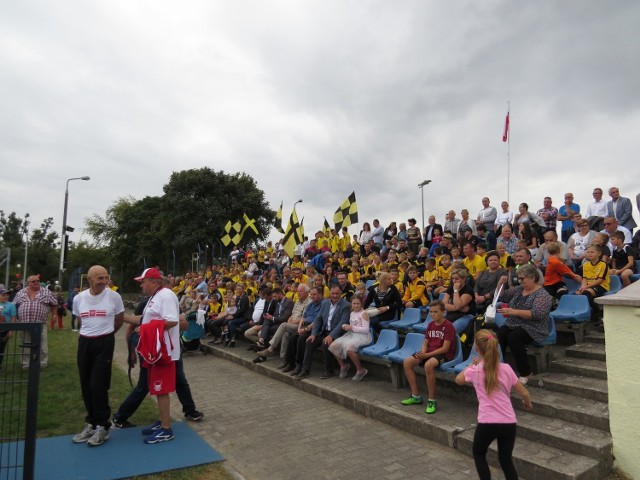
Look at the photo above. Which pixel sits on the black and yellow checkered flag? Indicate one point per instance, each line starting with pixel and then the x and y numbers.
pixel 233 234
pixel 347 212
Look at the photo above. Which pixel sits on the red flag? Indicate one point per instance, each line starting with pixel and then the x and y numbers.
pixel 505 135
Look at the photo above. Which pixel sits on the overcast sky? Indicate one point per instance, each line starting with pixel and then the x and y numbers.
pixel 315 99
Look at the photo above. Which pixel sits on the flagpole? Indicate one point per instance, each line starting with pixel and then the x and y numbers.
pixel 509 151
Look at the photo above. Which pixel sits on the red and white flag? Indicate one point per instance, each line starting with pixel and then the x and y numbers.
pixel 505 135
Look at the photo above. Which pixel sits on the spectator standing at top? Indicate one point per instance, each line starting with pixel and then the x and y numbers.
pixel 548 213
pixel 565 213
pixel 621 209
pixel 597 210
pixel 378 234
pixel 451 223
pixel 487 215
pixel 34 305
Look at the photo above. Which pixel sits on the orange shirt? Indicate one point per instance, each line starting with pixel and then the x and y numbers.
pixel 555 270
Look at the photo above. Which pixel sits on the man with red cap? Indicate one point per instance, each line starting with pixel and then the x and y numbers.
pixel 160 316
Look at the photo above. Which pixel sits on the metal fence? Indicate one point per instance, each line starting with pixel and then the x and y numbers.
pixel 19 379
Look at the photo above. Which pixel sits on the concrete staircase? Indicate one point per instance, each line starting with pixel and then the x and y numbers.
pixel 566 436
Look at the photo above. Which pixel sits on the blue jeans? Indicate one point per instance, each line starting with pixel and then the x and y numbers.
pixel 140 391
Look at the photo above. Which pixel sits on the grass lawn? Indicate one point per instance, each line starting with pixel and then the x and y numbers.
pixel 61 410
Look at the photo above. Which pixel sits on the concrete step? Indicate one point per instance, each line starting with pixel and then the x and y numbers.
pixel 545 429
pixel 595 337
pixel 593 351
pixel 569 408
pixel 588 387
pixel 568 436
pixel 535 460
pixel 579 366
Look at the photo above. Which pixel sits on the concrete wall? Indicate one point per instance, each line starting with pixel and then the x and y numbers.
pixel 622 334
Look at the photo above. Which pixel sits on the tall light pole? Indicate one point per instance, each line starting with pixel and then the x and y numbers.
pixel 25 230
pixel 64 238
pixel 299 201
pixel 421 186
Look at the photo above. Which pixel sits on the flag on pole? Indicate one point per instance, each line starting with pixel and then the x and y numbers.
pixel 301 230
pixel 292 235
pixel 278 222
pixel 347 212
pixel 326 227
pixel 249 223
pixel 505 135
pixel 233 233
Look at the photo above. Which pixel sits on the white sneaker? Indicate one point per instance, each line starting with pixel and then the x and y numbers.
pixel 86 433
pixel 100 436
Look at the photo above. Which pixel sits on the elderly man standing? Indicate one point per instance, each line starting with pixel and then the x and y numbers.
pixel 102 313
pixel 621 209
pixel 161 315
pixel 34 305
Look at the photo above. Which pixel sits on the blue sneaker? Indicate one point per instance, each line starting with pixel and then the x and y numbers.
pixel 154 427
pixel 160 435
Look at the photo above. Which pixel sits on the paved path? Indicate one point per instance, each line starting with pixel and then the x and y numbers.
pixel 268 430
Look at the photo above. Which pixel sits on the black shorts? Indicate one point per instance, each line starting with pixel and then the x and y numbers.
pixel 599 289
pixel 441 359
pixel 416 303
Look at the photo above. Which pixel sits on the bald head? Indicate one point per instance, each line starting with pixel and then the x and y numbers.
pixel 98 278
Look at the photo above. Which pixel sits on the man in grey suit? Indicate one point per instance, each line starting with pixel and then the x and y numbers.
pixel 621 209
pixel 327 326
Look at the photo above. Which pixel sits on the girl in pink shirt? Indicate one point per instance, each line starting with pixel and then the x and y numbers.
pixel 493 382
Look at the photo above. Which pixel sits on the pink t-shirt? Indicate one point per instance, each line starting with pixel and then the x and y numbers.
pixel 497 407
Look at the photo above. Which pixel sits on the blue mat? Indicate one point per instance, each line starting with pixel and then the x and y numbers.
pixel 123 455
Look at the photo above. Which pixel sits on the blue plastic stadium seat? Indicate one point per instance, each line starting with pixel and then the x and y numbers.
pixel 551 339
pixel 473 354
pixel 448 367
pixel 572 308
pixel 572 285
pixel 462 323
pixel 615 285
pixel 369 283
pixel 387 342
pixel 373 340
pixel 421 327
pixel 412 344
pixel 386 323
pixel 410 317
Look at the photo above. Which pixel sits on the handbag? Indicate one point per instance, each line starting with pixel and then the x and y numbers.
pixel 490 313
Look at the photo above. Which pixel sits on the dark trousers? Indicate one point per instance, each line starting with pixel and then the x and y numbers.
pixel 216 326
pixel 94 359
pixel 486 433
pixel 329 359
pixel 235 325
pixel 268 330
pixel 140 391
pixel 295 349
pixel 4 339
pixel 517 340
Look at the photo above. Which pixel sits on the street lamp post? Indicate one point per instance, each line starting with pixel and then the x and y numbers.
pixel 26 246
pixel 65 237
pixel 421 186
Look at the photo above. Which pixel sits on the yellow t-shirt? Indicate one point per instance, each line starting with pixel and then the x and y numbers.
pixel 475 266
pixel 430 277
pixel 591 273
pixel 444 274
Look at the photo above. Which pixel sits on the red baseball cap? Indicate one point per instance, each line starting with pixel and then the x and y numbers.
pixel 149 273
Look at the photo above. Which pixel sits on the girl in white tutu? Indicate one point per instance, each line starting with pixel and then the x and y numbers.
pixel 357 335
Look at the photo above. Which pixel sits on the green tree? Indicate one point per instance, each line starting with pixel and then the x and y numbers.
pixel 195 207
pixel 199 202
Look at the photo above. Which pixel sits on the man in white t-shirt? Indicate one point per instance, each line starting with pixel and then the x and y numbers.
pixel 101 311
pixel 162 306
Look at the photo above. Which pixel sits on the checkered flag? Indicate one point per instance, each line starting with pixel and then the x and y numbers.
pixel 233 233
pixel 347 212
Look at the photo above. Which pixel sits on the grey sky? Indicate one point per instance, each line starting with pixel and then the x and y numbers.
pixel 315 99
